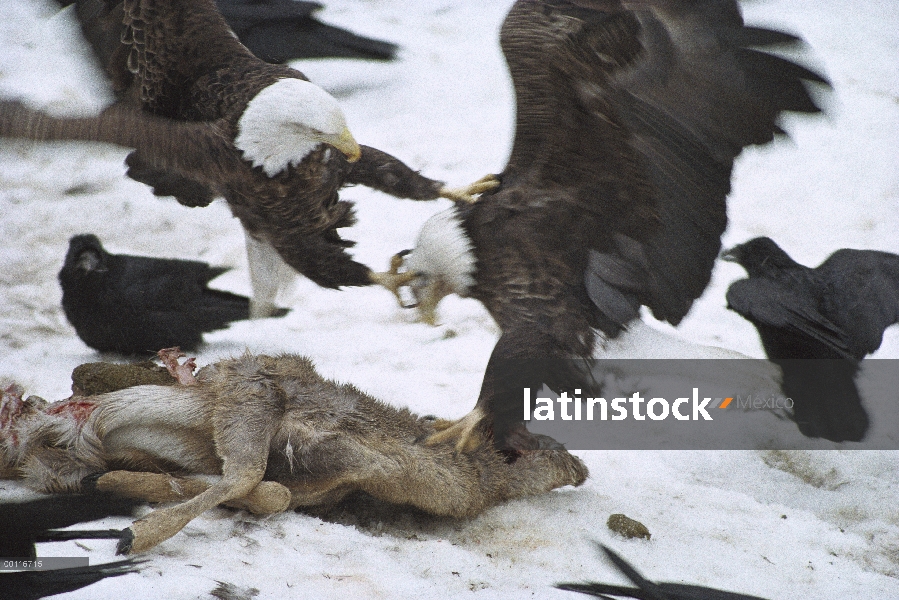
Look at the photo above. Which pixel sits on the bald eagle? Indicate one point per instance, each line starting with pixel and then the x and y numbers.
pixel 208 119
pixel 629 117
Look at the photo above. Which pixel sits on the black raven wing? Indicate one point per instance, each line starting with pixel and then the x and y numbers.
pixel 24 523
pixel 814 354
pixel 770 304
pixel 280 30
pixel 31 585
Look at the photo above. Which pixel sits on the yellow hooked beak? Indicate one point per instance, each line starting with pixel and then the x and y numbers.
pixel 347 145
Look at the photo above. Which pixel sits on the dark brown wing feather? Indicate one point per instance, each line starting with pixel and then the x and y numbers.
pixel 200 150
pixel 188 63
pixel 629 117
pixel 632 119
pixel 102 23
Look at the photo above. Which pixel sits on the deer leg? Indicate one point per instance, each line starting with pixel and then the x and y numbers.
pixel 324 495
pixel 266 498
pixel 162 524
pixel 242 436
pixel 151 487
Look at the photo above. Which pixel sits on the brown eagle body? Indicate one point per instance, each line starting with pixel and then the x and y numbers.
pixel 627 126
pixel 193 82
pixel 296 211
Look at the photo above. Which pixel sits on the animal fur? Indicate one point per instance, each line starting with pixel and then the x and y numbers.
pixel 279 435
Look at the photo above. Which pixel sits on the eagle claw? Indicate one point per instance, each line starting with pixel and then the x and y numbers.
pixel 464 431
pixel 392 279
pixel 469 192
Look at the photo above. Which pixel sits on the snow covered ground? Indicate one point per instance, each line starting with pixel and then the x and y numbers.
pixel 780 525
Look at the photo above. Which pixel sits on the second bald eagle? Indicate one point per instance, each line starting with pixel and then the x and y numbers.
pixel 629 118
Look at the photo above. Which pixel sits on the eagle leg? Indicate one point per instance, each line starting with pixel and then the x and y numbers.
pixel 464 431
pixel 392 279
pixel 468 192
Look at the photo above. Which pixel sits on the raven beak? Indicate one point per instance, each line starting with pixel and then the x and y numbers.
pixel 729 255
pixel 348 146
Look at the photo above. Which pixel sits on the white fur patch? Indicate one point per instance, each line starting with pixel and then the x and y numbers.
pixel 444 250
pixel 285 122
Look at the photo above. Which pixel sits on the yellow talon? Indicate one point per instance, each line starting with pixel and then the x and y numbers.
pixel 392 279
pixel 470 191
pixel 465 429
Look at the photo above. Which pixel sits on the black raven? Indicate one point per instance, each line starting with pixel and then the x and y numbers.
pixel 647 590
pixel 836 313
pixel 138 304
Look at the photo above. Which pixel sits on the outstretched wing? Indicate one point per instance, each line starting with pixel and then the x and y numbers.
pixel 637 110
pixel 102 23
pixel 201 152
pixel 863 293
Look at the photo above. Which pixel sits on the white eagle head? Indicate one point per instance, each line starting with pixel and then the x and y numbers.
pixel 442 263
pixel 286 121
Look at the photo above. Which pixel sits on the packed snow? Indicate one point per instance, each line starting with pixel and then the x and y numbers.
pixel 802 524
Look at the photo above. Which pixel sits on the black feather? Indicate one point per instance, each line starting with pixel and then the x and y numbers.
pixel 31 585
pixel 24 523
pixel 646 589
pixel 274 30
pixel 281 30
